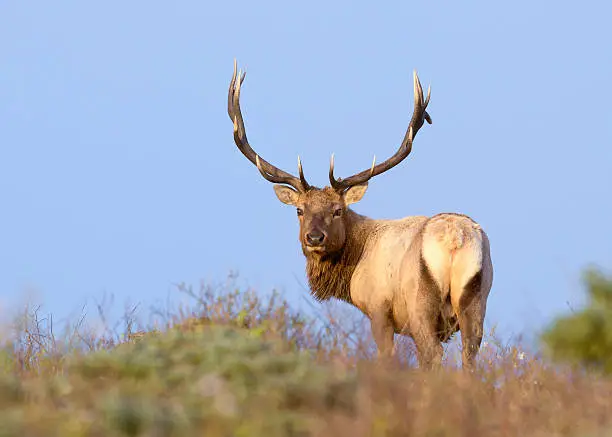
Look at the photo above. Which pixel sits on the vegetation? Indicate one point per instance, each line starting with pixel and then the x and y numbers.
pixel 584 338
pixel 237 364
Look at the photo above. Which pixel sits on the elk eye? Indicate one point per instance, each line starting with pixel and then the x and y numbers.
pixel 300 211
pixel 338 212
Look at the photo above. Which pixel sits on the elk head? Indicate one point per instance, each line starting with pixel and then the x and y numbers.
pixel 322 212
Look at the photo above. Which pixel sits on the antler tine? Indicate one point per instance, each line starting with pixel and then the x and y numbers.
pixel 267 170
pixel 373 165
pixel 418 101
pixel 419 115
pixel 335 183
pixel 305 183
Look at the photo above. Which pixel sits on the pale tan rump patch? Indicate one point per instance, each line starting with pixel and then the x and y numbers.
pixel 452 250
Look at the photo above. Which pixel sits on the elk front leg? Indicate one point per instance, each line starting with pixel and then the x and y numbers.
pixel 382 330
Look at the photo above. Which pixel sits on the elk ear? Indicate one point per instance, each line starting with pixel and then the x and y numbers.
pixel 286 194
pixel 355 193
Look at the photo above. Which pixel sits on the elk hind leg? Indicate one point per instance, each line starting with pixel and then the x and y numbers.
pixel 424 323
pixel 429 348
pixel 469 308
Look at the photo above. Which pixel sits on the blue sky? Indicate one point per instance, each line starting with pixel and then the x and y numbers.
pixel 119 175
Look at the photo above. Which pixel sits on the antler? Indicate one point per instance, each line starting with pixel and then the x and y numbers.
pixel 419 115
pixel 267 170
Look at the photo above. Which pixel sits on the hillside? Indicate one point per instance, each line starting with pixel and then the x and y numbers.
pixel 237 365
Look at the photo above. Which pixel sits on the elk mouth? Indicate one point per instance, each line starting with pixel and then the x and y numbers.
pixel 315 249
pixel 319 250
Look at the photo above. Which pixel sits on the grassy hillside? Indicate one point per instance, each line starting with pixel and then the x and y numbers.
pixel 237 365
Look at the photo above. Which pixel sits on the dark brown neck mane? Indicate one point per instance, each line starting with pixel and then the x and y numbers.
pixel 330 275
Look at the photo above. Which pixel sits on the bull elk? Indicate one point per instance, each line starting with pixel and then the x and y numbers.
pixel 424 277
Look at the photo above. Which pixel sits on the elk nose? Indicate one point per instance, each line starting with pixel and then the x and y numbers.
pixel 315 238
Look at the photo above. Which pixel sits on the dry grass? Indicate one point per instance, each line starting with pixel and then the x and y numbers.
pixel 236 364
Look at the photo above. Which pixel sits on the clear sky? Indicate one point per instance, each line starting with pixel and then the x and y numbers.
pixel 119 175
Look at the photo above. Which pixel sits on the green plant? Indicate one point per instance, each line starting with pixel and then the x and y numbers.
pixel 584 338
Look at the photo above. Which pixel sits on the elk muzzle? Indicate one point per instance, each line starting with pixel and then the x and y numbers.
pixel 315 238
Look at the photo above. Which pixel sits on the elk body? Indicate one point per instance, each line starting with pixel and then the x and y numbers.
pixel 424 277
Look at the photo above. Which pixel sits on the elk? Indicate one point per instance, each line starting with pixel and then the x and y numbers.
pixel 422 277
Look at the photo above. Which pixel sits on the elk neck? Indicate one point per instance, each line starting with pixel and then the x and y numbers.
pixel 330 275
